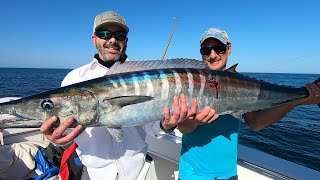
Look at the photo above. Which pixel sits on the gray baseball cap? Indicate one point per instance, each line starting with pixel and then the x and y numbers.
pixel 219 34
pixel 109 17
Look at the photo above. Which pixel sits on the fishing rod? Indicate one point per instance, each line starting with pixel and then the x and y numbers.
pixel 174 28
pixel 281 62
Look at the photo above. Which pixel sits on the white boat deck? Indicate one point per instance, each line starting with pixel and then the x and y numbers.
pixel 252 164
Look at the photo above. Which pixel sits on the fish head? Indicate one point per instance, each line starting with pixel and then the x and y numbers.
pixel 77 103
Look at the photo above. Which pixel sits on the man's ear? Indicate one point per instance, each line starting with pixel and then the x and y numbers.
pixel 229 49
pixel 93 37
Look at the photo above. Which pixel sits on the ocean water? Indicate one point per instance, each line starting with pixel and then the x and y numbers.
pixel 295 138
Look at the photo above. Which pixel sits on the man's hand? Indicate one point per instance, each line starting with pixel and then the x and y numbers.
pixel 181 112
pixel 187 119
pixel 58 135
pixel 314 94
pixel 206 116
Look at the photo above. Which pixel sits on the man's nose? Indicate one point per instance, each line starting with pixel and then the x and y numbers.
pixel 112 40
pixel 213 54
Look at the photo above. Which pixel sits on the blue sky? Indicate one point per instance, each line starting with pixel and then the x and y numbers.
pixel 269 36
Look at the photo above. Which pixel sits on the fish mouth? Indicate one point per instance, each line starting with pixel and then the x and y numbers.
pixel 21 116
pixel 13 121
pixel 7 118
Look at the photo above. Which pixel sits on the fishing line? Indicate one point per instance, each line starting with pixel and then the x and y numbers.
pixel 282 62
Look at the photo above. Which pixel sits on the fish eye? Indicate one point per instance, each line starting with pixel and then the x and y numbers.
pixel 47 104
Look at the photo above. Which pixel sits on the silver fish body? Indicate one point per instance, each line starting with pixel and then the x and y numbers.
pixel 134 98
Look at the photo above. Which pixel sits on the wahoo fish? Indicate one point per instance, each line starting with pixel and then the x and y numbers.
pixel 138 97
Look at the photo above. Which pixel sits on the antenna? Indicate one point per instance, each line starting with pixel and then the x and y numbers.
pixel 174 28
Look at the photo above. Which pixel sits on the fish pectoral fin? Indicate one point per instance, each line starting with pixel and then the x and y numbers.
pixel 122 101
pixel 116 133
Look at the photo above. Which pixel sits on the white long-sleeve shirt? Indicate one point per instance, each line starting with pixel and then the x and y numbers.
pixel 97 149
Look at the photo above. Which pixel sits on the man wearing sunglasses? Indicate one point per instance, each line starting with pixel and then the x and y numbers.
pixel 209 148
pixel 102 156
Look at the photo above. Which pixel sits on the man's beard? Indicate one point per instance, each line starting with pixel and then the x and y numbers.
pixel 105 57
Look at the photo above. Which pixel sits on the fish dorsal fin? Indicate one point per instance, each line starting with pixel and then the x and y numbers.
pixel 116 133
pixel 121 101
pixel 232 69
pixel 130 66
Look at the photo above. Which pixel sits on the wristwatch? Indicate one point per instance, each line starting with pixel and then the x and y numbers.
pixel 167 130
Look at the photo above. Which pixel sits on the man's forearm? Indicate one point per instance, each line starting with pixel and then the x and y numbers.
pixel 260 119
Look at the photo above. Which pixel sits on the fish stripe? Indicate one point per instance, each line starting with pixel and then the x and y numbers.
pixel 178 82
pixel 165 84
pixel 147 79
pixel 123 83
pixel 191 85
pixel 114 83
pixel 202 83
pixel 135 81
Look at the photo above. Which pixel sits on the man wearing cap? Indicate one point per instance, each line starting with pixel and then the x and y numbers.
pixel 209 148
pixel 102 156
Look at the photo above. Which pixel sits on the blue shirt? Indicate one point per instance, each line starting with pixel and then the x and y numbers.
pixel 211 150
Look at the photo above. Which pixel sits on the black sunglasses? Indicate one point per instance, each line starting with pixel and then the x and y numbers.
pixel 106 35
pixel 219 49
